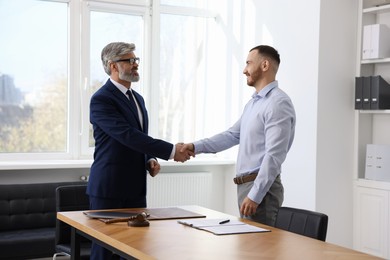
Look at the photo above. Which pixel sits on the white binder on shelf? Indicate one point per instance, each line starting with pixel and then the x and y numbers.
pixel 378 162
pixel 376 41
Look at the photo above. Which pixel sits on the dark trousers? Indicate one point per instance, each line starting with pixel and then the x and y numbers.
pixel 268 208
pixel 98 252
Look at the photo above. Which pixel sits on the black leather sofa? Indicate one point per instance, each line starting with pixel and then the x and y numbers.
pixel 28 219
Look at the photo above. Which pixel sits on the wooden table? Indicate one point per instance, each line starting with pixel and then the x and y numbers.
pixel 167 239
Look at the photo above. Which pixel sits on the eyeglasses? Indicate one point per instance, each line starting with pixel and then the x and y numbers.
pixel 130 60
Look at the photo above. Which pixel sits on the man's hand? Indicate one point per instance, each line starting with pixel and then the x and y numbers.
pixel 188 147
pixel 248 207
pixel 153 167
pixel 182 154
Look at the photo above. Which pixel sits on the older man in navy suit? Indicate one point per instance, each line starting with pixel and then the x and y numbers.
pixel 124 151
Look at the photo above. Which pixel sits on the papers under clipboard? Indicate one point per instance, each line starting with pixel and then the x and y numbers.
pixel 222 226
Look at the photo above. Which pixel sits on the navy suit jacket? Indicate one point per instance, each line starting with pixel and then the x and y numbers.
pixel 122 148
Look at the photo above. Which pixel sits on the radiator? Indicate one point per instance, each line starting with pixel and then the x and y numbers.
pixel 175 189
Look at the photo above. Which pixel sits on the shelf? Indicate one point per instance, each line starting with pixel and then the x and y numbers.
pixel 377 9
pixel 382 185
pixel 45 164
pixel 385 111
pixel 375 61
pixel 80 164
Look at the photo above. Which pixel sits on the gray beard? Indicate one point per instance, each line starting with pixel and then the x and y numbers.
pixel 128 77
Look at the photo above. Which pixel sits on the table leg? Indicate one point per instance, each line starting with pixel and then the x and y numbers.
pixel 75 245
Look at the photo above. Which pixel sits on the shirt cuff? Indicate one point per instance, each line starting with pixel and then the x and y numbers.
pixel 173 153
pixel 151 159
pixel 198 147
pixel 255 196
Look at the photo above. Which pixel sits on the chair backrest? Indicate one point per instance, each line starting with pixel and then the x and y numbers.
pixel 304 222
pixel 69 198
pixel 28 205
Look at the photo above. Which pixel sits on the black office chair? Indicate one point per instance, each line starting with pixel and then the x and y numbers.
pixel 70 198
pixel 304 222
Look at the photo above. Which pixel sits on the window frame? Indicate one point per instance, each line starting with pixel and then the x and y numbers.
pixel 159 9
pixel 118 8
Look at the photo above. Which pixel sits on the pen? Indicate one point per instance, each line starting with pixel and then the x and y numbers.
pixel 184 223
pixel 224 221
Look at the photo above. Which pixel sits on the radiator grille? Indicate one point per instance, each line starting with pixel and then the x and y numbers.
pixel 175 189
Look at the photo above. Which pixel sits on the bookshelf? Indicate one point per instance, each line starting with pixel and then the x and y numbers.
pixel 371 197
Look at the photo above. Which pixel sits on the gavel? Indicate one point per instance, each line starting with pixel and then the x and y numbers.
pixel 138 220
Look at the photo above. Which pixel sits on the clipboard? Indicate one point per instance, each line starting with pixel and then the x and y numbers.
pixel 154 213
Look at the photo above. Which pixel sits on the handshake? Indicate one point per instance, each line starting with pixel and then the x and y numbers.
pixel 183 152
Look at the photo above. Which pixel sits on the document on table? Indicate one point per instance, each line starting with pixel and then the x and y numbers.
pixel 226 228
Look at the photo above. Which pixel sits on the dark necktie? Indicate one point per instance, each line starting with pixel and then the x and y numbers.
pixel 135 106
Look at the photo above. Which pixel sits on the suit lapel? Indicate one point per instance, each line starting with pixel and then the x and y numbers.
pixel 125 101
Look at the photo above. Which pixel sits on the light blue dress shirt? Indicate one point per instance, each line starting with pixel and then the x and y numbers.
pixel 264 133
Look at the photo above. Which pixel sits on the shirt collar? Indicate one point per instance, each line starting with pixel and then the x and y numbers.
pixel 262 93
pixel 122 88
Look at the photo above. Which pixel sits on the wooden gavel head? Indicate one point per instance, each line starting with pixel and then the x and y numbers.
pixel 141 216
pixel 139 221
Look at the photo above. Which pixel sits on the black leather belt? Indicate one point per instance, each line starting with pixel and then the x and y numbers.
pixel 244 179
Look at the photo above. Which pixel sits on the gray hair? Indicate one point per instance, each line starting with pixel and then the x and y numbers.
pixel 114 51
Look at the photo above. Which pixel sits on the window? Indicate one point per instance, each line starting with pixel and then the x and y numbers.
pixel 51 66
pixel 186 51
pixel 33 77
pixel 105 27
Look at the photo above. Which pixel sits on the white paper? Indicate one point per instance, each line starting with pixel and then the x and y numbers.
pixel 214 226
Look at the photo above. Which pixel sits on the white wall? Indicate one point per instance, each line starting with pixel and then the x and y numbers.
pixel 337 56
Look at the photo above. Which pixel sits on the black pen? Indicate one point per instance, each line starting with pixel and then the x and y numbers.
pixel 224 221
pixel 185 223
